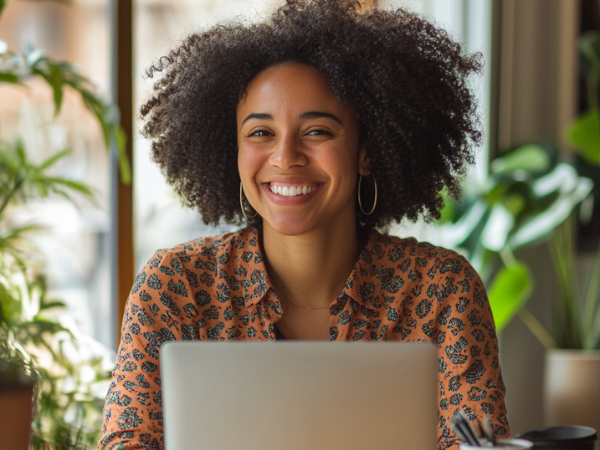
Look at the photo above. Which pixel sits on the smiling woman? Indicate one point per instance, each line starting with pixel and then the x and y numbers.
pixel 312 129
pixel 304 139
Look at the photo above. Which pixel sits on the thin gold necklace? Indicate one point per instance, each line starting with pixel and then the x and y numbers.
pixel 303 307
pixel 285 299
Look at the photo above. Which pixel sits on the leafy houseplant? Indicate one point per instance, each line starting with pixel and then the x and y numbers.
pixel 530 197
pixel 584 135
pixel 572 367
pixel 37 349
pixel 577 313
pixel 571 390
pixel 526 197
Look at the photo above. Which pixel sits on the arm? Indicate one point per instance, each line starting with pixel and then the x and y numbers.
pixel 133 414
pixel 470 378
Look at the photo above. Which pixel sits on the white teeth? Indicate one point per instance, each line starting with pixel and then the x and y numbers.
pixel 292 191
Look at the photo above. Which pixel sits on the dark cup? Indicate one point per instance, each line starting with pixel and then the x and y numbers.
pixel 561 438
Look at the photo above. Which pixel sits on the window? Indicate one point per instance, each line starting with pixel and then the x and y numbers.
pixel 469 21
pixel 74 242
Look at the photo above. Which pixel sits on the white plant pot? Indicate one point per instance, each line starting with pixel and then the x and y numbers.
pixel 572 388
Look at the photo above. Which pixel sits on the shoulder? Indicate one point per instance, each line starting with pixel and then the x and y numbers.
pixel 423 270
pixel 178 284
pixel 215 250
pixel 393 251
pixel 436 289
pixel 206 256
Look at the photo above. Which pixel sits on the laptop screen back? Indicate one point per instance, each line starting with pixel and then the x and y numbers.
pixel 299 395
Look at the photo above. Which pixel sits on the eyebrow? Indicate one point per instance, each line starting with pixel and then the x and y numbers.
pixel 260 116
pixel 320 114
pixel 306 115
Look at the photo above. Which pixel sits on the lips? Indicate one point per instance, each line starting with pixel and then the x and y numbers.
pixel 292 190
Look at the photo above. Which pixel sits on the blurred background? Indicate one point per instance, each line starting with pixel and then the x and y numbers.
pixel 535 84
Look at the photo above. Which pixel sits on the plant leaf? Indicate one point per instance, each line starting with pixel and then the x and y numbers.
pixel 572 189
pixel 510 290
pixel 56 81
pixel 529 157
pixel 497 228
pixel 35 56
pixel 124 166
pixel 455 234
pixel 7 77
pixel 53 159
pixel 584 135
pixel 52 304
pixel 72 185
pixel 7 306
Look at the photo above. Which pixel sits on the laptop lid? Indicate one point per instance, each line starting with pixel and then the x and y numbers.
pixel 299 395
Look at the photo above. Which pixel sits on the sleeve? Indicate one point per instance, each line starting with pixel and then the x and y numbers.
pixel 133 416
pixel 470 379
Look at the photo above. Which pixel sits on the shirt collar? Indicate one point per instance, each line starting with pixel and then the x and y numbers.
pixel 362 285
pixel 257 285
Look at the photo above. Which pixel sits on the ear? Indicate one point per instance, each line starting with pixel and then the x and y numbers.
pixel 364 163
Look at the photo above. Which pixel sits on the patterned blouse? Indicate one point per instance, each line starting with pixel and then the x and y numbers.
pixel 217 289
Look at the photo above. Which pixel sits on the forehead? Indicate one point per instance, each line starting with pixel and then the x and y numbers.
pixel 292 86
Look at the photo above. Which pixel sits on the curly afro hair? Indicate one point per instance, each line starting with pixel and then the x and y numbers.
pixel 404 79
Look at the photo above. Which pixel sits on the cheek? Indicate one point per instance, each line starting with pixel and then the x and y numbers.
pixel 346 167
pixel 249 163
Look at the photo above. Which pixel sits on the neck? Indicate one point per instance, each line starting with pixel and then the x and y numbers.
pixel 310 270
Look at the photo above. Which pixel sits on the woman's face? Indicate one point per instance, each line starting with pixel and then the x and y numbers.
pixel 299 155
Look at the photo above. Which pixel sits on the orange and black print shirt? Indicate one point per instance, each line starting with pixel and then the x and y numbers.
pixel 217 289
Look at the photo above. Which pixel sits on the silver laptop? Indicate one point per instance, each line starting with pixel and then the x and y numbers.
pixel 299 395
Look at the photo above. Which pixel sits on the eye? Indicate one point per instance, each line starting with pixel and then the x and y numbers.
pixel 260 133
pixel 319 132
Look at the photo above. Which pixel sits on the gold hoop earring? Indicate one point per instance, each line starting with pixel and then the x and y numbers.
pixel 242 204
pixel 374 201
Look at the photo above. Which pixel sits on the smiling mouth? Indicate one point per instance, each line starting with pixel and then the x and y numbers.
pixel 292 191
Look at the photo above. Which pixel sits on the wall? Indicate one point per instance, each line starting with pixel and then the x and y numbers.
pixel 535 95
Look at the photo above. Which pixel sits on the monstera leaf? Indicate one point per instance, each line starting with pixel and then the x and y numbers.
pixel 584 136
pixel 528 194
pixel 509 291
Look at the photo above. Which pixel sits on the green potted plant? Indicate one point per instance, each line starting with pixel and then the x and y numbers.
pixel 528 194
pixel 36 350
pixel 47 363
pixel 571 390
pixel 529 198
pixel 572 370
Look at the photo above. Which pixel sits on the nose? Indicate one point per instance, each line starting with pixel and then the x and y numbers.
pixel 287 153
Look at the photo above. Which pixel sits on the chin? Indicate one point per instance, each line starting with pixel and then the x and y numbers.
pixel 290 226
